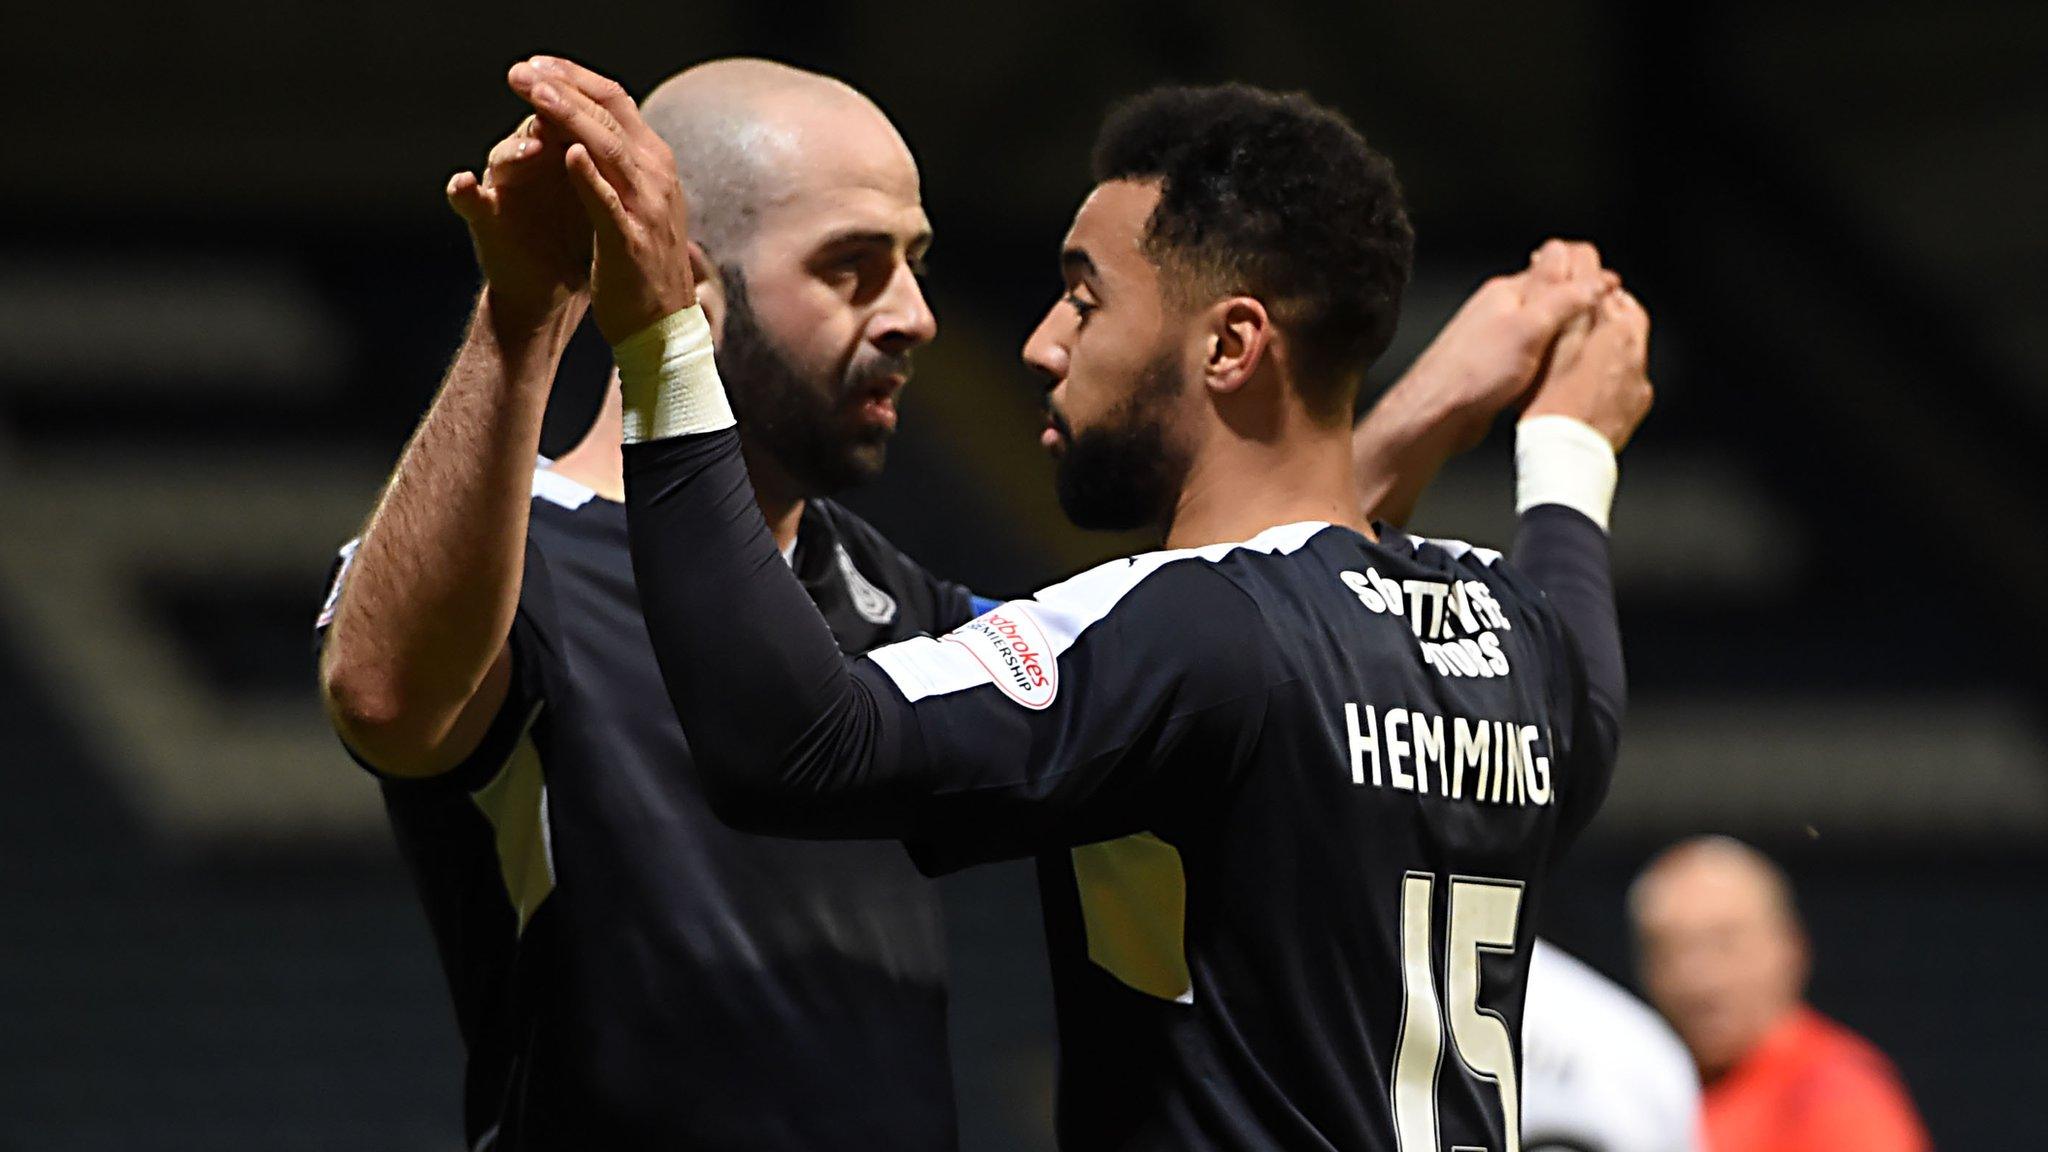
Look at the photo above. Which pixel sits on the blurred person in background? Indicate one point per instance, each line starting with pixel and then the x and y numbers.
pixel 1726 960
pixel 624 966
pixel 1601 1071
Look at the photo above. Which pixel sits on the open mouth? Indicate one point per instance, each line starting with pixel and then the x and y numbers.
pixel 879 410
pixel 874 404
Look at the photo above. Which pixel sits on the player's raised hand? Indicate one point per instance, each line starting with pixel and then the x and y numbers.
pixel 1492 349
pixel 1481 363
pixel 532 241
pixel 1599 372
pixel 625 177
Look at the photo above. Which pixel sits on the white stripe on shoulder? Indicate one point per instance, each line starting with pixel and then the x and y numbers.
pixel 1458 549
pixel 558 489
pixel 1017 645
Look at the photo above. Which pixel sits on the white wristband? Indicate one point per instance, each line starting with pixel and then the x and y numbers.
pixel 669 381
pixel 1559 460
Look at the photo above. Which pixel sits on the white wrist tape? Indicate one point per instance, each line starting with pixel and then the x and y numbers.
pixel 1559 460
pixel 669 381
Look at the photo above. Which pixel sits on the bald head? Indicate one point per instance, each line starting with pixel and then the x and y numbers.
pixel 1722 863
pixel 1719 941
pixel 746 131
pixel 807 205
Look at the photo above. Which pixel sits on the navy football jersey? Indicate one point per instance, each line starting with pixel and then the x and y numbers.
pixel 1320 937
pixel 1311 783
pixel 628 972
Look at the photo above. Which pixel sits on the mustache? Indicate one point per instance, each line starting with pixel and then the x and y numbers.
pixel 1058 420
pixel 866 374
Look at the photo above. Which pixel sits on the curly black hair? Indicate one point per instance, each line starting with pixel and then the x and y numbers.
pixel 1274 196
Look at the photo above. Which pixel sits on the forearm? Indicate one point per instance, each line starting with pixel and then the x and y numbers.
pixel 786 737
pixel 429 601
pixel 1403 442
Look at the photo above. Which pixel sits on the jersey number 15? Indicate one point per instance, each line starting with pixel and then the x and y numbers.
pixel 1482 921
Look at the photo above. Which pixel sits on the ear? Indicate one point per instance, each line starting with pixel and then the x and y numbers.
pixel 1238 332
pixel 710 288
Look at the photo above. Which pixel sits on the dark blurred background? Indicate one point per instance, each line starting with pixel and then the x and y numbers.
pixel 228 285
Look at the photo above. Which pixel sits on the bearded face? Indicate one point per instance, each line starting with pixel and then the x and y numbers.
pixel 1120 471
pixel 826 434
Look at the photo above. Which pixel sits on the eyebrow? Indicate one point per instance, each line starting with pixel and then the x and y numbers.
pixel 1077 263
pixel 874 237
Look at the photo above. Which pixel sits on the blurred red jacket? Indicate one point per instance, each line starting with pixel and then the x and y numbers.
pixel 1811 1085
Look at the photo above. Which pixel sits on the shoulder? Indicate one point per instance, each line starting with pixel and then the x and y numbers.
pixel 572 531
pixel 1168 616
pixel 1192 592
pixel 565 509
pixel 878 576
pixel 551 489
pixel 573 535
pixel 1196 616
pixel 858 543
pixel 1487 573
pixel 1442 552
pixel 1458 559
pixel 845 525
pixel 1848 1093
pixel 1840 1057
pixel 861 541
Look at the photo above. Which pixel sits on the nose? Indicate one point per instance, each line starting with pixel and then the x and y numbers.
pixel 1046 349
pixel 904 321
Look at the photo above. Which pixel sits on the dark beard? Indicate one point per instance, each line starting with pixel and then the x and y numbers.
pixel 796 422
pixel 1122 474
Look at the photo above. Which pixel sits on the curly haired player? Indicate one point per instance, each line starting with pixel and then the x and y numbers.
pixel 1352 753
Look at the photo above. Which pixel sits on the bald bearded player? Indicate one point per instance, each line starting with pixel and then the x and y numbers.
pixel 627 971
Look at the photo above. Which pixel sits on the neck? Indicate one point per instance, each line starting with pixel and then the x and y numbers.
pixel 597 464
pixel 595 461
pixel 1239 486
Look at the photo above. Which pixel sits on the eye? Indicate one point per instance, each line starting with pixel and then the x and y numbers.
pixel 1082 308
pixel 854 275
